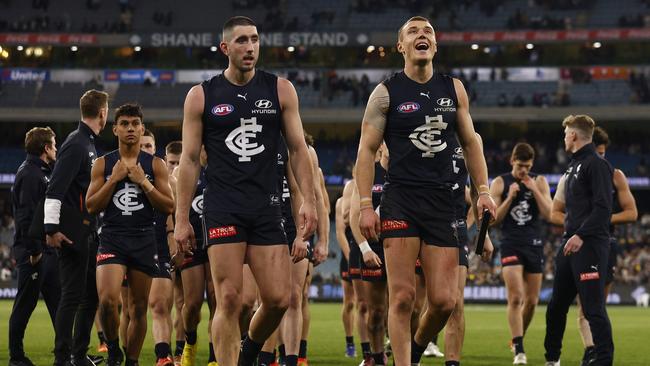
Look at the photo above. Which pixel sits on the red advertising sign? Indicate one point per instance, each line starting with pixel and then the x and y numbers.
pixel 48 39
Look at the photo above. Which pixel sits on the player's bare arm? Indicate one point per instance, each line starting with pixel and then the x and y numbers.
pixel 160 195
pixel 558 208
pixel 189 167
pixel 339 221
pixel 370 258
pixel 299 248
pixel 323 228
pixel 101 190
pixel 542 193
pixel 372 135
pixel 496 190
pixel 628 212
pixel 298 156
pixel 476 165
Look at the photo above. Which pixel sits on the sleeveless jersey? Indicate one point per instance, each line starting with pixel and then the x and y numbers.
pixel 241 132
pixel 160 227
pixel 521 224
pixel 420 123
pixel 129 210
pixel 460 171
pixel 378 185
pixel 283 183
pixel 196 208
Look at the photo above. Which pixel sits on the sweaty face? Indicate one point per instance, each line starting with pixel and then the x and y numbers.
pixel 600 149
pixel 172 161
pixel 128 130
pixel 417 42
pixel 242 47
pixel 148 144
pixel 520 169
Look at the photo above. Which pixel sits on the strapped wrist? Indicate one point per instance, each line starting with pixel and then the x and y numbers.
pixel 365 247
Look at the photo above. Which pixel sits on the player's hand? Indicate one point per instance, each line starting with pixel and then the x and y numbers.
pixel 485 202
pixel 529 183
pixel 320 253
pixel 573 245
pixel 307 219
pixel 513 190
pixel 119 171
pixel 369 223
pixel 55 240
pixel 371 259
pixel 488 249
pixel 34 259
pixel 136 174
pixel 177 259
pixel 184 236
pixel 299 250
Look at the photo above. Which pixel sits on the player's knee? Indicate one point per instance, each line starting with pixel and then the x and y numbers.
pixel 296 299
pixel 108 304
pixel 348 306
pixel 362 306
pixel 230 302
pixel 376 316
pixel 278 302
pixel 158 308
pixel 138 310
pixel 531 302
pixel 516 300
pixel 403 300
pixel 442 305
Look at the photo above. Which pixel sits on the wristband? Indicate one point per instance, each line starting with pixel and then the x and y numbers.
pixel 485 193
pixel 365 199
pixel 150 188
pixel 363 206
pixel 365 247
pixel 484 185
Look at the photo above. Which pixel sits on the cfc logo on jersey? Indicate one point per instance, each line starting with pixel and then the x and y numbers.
pixel 520 213
pixel 426 136
pixel 197 204
pixel 239 140
pixel 126 199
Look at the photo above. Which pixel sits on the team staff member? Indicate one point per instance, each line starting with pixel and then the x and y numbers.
pixel 522 198
pixel 37 268
pixel 68 186
pixel 127 184
pixel 581 264
pixel 416 112
pixel 238 116
pixel 624 211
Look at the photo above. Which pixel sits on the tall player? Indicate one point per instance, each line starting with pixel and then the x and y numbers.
pixel 624 211
pixel 416 112
pixel 128 185
pixel 239 116
pixel 522 197
pixel 161 296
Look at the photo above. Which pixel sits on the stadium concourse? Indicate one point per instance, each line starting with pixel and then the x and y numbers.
pixel 526 65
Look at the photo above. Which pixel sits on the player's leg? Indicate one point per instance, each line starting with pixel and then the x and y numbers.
pixel 532 287
pixel 139 287
pixel 455 330
pixel 124 312
pixel 377 311
pixel 347 316
pixel 513 276
pixel 306 316
pixel 226 267
pixel 270 265
pixel 419 304
pixel 212 308
pixel 109 285
pixel 179 328
pixel 361 302
pixel 193 291
pixel 161 299
pixel 249 297
pixel 101 346
pixel 401 255
pixel 267 354
pixel 440 267
pixel 292 325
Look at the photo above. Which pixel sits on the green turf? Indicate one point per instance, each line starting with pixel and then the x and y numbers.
pixel 486 341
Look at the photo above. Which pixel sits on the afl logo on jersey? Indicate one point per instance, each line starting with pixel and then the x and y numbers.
pixel 223 109
pixel 408 107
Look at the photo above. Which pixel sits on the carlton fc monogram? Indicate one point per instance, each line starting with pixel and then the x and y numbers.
pixel 126 199
pixel 238 141
pixel 425 137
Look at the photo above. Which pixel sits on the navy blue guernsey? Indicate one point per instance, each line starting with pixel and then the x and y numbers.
pixel 283 183
pixel 160 227
pixel 420 122
pixel 521 224
pixel 196 208
pixel 241 132
pixel 459 169
pixel 378 185
pixel 129 210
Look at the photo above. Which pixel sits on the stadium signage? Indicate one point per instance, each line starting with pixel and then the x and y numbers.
pixel 182 39
pixel 139 76
pixel 545 36
pixel 279 39
pixel 24 75
pixel 48 39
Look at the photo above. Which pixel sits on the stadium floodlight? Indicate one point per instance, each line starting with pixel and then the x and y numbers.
pixel 597 44
pixel 74 48
pixel 137 48
pixel 370 49
pixel 486 50
pixel 38 52
pixel 213 48
pixel 5 54
pixel 291 48
pixel 475 47
pixel 20 48
pixel 0 48
pixel 530 46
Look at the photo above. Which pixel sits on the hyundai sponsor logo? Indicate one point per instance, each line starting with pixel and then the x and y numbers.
pixel 445 102
pixel 408 107
pixel 263 103
pixel 223 109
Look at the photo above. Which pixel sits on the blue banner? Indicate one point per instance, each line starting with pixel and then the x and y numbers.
pixel 140 76
pixel 24 74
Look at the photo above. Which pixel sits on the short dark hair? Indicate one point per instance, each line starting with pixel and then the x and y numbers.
pixel 411 19
pixel 235 21
pixel 92 102
pixel 523 152
pixel 600 137
pixel 147 132
pixel 174 147
pixel 37 138
pixel 129 110
pixel 309 139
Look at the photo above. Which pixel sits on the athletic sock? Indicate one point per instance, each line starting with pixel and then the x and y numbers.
pixel 190 337
pixel 292 360
pixel 379 358
pixel 130 362
pixel 519 344
pixel 211 357
pixel 416 351
pixel 589 351
pixel 265 358
pixel 114 352
pixel 102 337
pixel 282 352
pixel 249 351
pixel 162 350
pixel 435 340
pixel 179 348
pixel 349 340
pixel 302 352
pixel 365 349
pixel 452 363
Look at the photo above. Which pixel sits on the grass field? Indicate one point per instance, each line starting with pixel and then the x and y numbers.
pixel 486 341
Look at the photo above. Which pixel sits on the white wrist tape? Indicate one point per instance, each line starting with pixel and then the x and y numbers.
pixel 52 210
pixel 365 247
